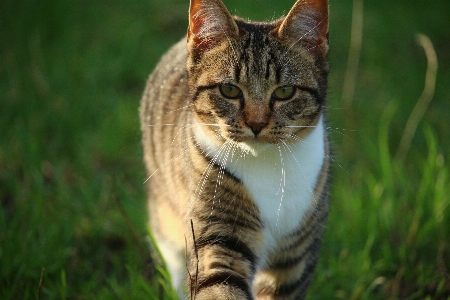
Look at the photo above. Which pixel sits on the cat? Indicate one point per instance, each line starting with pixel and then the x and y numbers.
pixel 237 153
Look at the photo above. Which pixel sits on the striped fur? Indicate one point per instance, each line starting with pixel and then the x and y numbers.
pixel 242 183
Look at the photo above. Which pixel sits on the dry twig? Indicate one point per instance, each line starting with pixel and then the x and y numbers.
pixel 424 100
pixel 194 283
pixel 41 278
pixel 348 90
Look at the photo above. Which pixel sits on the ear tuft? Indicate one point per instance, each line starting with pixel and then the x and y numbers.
pixel 210 23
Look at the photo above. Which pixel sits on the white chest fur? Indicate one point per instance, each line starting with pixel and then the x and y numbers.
pixel 281 180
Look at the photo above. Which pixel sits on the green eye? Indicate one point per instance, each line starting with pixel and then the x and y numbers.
pixel 283 92
pixel 230 91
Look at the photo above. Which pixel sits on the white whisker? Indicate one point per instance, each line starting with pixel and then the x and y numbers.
pixel 338 130
pixel 282 183
pixel 187 149
pixel 181 108
pixel 310 188
pixel 205 175
pixel 306 143
pixel 194 124
pixel 222 164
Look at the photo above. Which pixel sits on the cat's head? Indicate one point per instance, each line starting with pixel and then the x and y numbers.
pixel 258 82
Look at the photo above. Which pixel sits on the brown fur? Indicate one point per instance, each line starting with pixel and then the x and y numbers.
pixel 189 181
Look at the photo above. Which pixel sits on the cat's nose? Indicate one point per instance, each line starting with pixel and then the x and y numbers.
pixel 256 127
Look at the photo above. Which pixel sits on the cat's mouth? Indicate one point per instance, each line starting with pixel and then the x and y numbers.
pixel 254 147
pixel 253 144
pixel 266 137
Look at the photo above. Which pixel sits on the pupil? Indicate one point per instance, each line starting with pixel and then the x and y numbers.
pixel 230 91
pixel 284 92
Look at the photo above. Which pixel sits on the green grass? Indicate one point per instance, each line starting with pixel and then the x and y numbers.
pixel 71 76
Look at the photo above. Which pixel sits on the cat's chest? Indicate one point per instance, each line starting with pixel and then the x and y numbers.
pixel 281 180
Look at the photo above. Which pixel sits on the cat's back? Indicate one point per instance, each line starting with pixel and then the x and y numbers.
pixel 166 93
pixel 166 84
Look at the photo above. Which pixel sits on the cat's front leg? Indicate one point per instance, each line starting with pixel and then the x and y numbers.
pixel 290 266
pixel 224 255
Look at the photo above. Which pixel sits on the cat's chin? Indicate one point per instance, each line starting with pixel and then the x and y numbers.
pixel 255 147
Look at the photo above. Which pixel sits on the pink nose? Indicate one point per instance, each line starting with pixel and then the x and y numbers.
pixel 256 127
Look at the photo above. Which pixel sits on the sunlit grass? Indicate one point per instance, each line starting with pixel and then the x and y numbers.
pixel 387 236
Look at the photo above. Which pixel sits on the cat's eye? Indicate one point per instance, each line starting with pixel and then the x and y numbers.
pixel 230 91
pixel 284 92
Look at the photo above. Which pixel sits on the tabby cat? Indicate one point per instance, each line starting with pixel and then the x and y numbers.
pixel 236 151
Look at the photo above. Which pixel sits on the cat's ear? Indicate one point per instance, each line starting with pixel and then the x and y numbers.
pixel 210 23
pixel 307 21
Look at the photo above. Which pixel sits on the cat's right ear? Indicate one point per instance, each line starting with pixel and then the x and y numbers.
pixel 210 24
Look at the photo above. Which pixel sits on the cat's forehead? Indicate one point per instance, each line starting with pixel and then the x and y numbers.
pixel 257 36
pixel 265 60
pixel 257 60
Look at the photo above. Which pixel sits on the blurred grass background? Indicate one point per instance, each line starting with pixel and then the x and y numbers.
pixel 71 175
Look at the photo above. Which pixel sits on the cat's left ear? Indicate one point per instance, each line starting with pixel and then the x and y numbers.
pixel 307 21
pixel 210 23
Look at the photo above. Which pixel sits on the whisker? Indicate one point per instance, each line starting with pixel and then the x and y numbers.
pixel 181 142
pixel 337 130
pixel 235 148
pixel 331 107
pixel 205 175
pixel 180 108
pixel 311 190
pixel 194 124
pixel 306 143
pixel 220 176
pixel 282 183
pixel 187 149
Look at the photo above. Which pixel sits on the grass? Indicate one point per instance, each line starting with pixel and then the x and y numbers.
pixel 72 200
